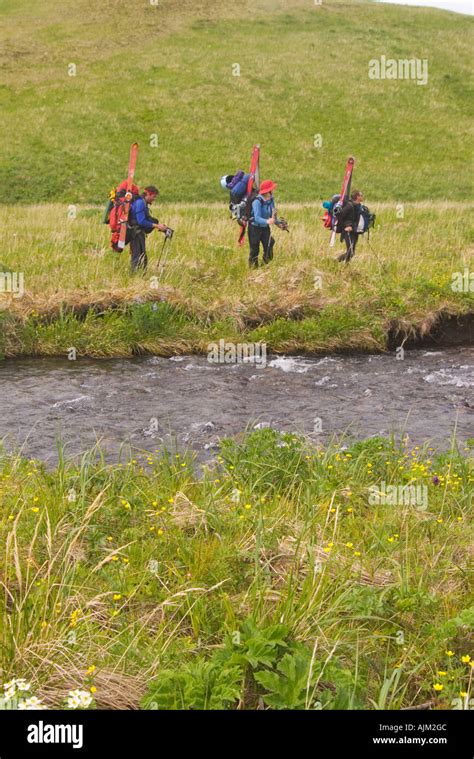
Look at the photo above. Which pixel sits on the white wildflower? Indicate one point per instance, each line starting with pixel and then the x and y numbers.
pixel 79 699
pixel 30 704
pixel 22 685
pixel 10 693
pixel 12 686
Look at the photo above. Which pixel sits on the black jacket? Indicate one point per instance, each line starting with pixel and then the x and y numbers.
pixel 349 216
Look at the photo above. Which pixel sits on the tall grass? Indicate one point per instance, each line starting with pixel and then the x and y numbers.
pixel 151 569
pixel 80 293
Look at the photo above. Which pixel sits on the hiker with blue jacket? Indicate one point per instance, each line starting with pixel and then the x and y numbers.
pixel 262 218
pixel 140 224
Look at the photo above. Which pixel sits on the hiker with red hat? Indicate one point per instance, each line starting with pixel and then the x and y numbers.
pixel 263 217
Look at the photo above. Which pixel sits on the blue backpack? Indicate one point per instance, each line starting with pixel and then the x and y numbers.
pixel 366 221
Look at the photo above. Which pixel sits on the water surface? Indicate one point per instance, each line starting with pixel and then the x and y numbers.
pixel 187 402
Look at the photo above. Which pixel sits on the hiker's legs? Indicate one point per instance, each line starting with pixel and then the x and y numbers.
pixel 268 241
pixel 254 243
pixel 350 238
pixel 344 236
pixel 138 251
pixel 352 250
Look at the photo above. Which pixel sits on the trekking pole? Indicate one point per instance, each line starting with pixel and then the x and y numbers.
pixel 161 251
pixel 168 235
pixel 269 247
pixel 165 258
pixel 281 224
pixel 352 248
pixel 381 266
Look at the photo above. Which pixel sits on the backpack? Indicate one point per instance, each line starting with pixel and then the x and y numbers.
pixel 241 210
pixel 366 221
pixel 330 216
pixel 114 210
pixel 236 179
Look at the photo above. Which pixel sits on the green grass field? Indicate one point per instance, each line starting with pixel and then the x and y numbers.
pixel 268 577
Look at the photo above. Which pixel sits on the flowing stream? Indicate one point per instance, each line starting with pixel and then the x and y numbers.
pixel 186 402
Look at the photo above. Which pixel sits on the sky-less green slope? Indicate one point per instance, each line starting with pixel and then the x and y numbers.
pixel 167 70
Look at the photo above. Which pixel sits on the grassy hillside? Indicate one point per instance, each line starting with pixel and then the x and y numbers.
pixel 268 579
pixel 167 70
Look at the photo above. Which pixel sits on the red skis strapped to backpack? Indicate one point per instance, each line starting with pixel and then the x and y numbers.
pixel 253 183
pixel 117 212
pixel 345 191
pixel 120 202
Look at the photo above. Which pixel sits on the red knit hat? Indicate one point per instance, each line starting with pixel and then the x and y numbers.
pixel 267 186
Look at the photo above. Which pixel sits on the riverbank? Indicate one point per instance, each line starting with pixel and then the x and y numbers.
pixel 222 582
pixel 409 283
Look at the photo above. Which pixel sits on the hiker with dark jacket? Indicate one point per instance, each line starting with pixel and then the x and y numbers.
pixel 140 224
pixel 262 218
pixel 347 223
